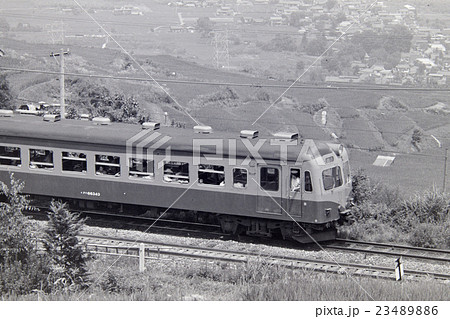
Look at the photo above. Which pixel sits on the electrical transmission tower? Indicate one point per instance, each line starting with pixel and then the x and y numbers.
pixel 222 55
pixel 56 31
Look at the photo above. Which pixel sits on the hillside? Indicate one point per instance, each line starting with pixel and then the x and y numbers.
pixel 372 121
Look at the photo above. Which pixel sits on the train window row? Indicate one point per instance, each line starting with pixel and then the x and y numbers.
pixel 173 171
pixel 10 156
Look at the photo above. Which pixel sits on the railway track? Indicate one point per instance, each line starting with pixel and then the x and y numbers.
pixel 158 250
pixel 101 218
pixel 434 255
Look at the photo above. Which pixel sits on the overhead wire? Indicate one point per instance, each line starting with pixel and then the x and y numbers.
pixel 256 84
pixel 221 84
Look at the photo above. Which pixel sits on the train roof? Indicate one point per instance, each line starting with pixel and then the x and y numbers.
pixel 119 135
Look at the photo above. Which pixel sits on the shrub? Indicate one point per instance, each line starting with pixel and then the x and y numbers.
pixel 432 207
pixel 67 256
pixel 262 95
pixel 21 268
pixel 225 97
pixel 430 235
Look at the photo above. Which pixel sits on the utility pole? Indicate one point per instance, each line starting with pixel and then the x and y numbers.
pixel 61 81
pixel 445 171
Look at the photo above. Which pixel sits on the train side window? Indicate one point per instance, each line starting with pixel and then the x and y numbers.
pixel 239 177
pixel 337 175
pixel 107 165
pixel 141 168
pixel 269 178
pixel 332 178
pixel 10 156
pixel 308 182
pixel 347 176
pixel 74 162
pixel 176 172
pixel 41 158
pixel 211 174
pixel 295 180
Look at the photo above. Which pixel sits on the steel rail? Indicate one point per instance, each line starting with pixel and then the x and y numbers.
pixel 127 247
pixel 391 250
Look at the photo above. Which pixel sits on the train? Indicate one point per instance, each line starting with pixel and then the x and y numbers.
pixel 274 185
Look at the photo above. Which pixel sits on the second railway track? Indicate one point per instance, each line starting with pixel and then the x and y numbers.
pixel 155 250
pixel 429 254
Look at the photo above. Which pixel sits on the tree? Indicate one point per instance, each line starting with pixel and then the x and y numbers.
pixel 316 47
pixel 5 93
pixel 15 229
pixel 205 25
pixel 398 39
pixel 280 43
pixel 68 259
pixel 300 66
pixel 21 268
pixel 295 19
pixel 330 4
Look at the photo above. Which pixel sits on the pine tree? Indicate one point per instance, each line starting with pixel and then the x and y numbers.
pixel 68 259
pixel 22 269
pixel 15 228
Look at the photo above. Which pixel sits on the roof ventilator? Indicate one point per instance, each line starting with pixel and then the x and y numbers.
pixel 249 134
pixel 152 126
pixel 286 136
pixel 101 120
pixel 52 117
pixel 203 129
pixel 85 117
pixel 6 113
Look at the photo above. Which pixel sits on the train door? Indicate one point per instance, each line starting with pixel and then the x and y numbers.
pixel 269 189
pixel 294 204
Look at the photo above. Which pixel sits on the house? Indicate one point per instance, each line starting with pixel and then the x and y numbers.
pixel 275 20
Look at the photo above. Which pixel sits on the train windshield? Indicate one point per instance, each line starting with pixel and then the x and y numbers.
pixel 332 178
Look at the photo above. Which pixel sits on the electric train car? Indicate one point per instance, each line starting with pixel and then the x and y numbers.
pixel 263 186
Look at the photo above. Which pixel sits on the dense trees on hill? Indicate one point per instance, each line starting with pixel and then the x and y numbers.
pixel 316 46
pixel 280 43
pixel 97 100
pixel 398 39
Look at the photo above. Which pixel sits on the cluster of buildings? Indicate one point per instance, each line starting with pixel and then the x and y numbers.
pixel 427 63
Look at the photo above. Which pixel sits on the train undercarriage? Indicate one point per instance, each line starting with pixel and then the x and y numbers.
pixel 230 224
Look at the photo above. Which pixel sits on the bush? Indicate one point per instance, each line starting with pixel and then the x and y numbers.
pixel 430 236
pixel 21 268
pixel 225 97
pixel 432 207
pixel 22 277
pixel 381 215
pixel 67 256
pixel 262 95
pixel 312 108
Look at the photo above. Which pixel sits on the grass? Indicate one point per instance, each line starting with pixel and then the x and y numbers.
pixel 191 280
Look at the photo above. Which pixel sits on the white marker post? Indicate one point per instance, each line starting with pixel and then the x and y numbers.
pixel 141 257
pixel 399 269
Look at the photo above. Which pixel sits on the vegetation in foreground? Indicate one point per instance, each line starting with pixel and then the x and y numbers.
pixel 383 215
pixel 65 272
pixel 60 267
pixel 257 280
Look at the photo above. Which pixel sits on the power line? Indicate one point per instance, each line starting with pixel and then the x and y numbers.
pixel 273 122
pixel 204 83
pixel 255 85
